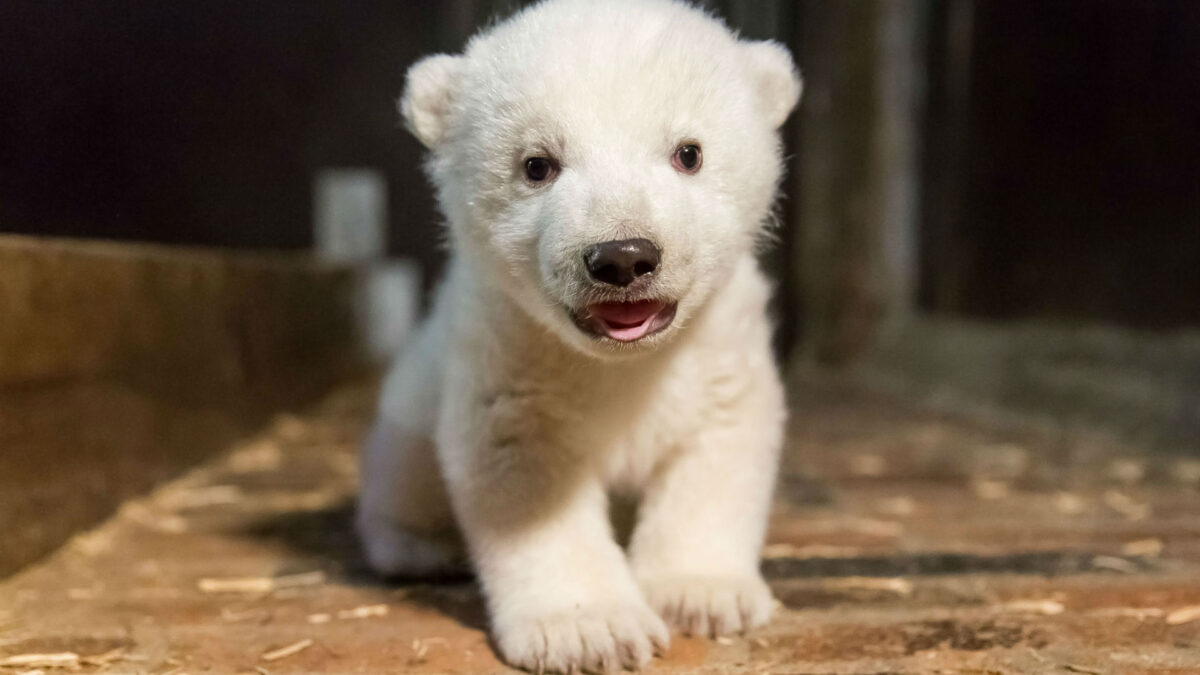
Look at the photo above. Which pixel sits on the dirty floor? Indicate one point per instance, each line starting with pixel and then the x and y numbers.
pixel 903 542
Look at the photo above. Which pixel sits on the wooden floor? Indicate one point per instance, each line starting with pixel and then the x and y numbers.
pixel 902 542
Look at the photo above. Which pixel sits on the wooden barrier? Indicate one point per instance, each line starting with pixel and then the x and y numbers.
pixel 121 365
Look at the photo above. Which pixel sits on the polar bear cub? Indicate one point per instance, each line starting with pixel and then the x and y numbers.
pixel 606 168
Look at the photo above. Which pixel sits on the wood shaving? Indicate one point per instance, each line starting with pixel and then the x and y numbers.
pixel 259 584
pixel 165 523
pixel 724 641
pixel 155 593
pixel 105 658
pixel 1114 564
pixel 363 612
pixel 284 652
pixel 1146 547
pixel 420 646
pixel 1127 506
pixel 868 466
pixel 200 497
pixel 420 649
pixel 897 506
pixel 1140 613
pixel 53 660
pixel 236 615
pixel 1080 669
pixel 260 455
pixel 1069 503
pixel 314 500
pixel 83 593
pixel 1044 607
pixel 1001 460
pixel 1127 471
pixel 290 428
pixel 94 543
pixel 1183 615
pixel 889 584
pixel 1186 471
pixel 989 490
pixel 320 618
pixel 766 668
pixel 776 551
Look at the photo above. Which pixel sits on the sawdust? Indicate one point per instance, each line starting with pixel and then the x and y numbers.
pixel 1183 615
pixel 259 585
pixel 289 650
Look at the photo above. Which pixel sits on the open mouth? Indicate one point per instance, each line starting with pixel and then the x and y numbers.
pixel 627 321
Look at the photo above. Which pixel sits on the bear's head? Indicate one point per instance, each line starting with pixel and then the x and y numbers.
pixel 605 163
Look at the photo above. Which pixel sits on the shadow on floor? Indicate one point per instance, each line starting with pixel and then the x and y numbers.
pixel 1043 563
pixel 328 535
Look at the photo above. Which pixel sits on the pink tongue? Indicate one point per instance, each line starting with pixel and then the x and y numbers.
pixel 626 320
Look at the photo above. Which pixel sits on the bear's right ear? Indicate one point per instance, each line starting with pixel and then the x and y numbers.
pixel 429 90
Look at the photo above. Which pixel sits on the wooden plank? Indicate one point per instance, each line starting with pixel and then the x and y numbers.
pixel 1133 385
pixel 122 365
pixel 195 320
pixel 857 177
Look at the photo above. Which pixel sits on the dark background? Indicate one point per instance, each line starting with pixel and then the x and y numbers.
pixel 1080 163
pixel 203 122
pixel 1061 180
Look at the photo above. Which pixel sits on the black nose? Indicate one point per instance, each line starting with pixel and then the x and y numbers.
pixel 620 263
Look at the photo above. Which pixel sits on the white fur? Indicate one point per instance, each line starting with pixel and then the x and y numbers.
pixel 534 423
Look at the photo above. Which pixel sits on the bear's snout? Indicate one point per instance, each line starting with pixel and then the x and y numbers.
pixel 620 263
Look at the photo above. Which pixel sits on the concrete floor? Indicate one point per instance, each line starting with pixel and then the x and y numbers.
pixel 902 542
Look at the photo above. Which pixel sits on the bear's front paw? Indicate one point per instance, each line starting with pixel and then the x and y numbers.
pixel 590 639
pixel 710 605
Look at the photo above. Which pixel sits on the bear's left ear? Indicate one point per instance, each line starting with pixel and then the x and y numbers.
pixel 775 79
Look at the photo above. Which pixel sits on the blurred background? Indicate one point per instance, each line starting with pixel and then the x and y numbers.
pixel 988 304
pixel 974 160
pixel 1041 158
pixel 1030 160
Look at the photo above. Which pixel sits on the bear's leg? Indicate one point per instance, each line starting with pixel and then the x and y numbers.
pixel 559 591
pixel 695 550
pixel 404 517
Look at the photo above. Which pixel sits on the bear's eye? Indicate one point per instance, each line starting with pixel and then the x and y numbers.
pixel 539 169
pixel 687 158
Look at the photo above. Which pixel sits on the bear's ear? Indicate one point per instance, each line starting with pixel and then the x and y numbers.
pixel 775 78
pixel 429 90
